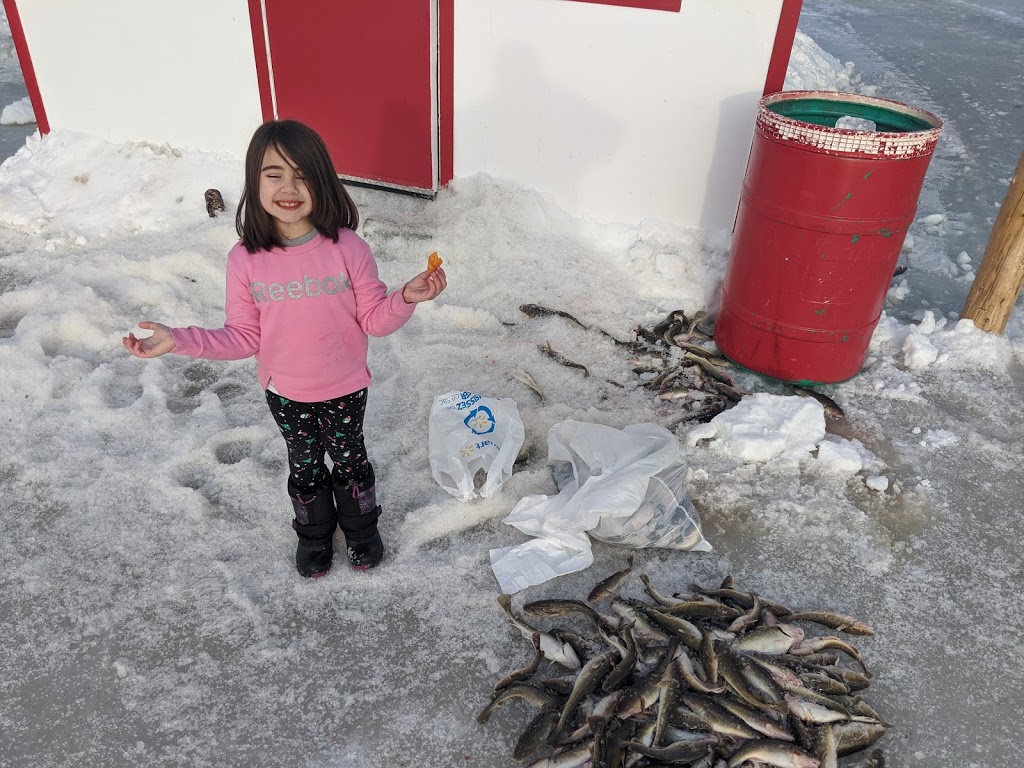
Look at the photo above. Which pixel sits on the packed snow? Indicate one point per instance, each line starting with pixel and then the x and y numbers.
pixel 151 610
pixel 18 113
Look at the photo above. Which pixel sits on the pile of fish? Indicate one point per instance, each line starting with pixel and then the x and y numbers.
pixel 676 358
pixel 711 678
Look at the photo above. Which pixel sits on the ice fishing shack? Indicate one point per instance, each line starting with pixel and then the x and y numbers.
pixel 619 109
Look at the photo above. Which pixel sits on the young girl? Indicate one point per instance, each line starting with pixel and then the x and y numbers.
pixel 302 296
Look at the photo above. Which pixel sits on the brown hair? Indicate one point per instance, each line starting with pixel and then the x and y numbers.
pixel 333 208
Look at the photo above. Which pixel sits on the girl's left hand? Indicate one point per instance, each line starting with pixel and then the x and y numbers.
pixel 425 286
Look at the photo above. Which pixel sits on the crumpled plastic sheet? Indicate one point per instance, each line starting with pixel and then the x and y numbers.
pixel 626 487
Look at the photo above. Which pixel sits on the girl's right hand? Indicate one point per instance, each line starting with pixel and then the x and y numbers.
pixel 160 343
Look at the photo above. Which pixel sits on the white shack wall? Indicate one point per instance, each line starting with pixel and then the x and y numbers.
pixel 621 114
pixel 174 71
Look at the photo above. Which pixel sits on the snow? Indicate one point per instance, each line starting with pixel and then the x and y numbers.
pixel 762 427
pixel 151 612
pixel 877 483
pixel 18 113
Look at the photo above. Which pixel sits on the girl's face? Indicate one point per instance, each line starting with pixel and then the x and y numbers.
pixel 284 195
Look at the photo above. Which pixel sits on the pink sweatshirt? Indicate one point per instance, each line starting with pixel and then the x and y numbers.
pixel 305 313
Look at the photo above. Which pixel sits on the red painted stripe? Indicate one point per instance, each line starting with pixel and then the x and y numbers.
pixel 783 48
pixel 653 5
pixel 28 72
pixel 446 88
pixel 259 49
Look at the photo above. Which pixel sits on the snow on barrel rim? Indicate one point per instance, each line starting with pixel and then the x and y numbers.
pixel 809 117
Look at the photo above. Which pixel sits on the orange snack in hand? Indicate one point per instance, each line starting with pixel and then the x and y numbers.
pixel 433 262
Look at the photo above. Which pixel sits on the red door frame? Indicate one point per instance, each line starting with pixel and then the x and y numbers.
pixel 28 72
pixel 782 49
pixel 445 78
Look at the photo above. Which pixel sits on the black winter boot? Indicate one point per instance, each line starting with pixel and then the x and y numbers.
pixel 315 521
pixel 357 517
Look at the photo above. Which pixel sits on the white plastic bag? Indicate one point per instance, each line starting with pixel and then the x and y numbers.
pixel 623 486
pixel 469 433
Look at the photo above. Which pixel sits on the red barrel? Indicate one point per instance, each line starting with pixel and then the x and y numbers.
pixel 822 218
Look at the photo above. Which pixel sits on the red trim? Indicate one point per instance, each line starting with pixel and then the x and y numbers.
pixel 653 5
pixel 28 72
pixel 259 49
pixel 784 36
pixel 446 88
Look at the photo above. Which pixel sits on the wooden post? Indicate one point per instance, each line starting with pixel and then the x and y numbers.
pixel 1001 274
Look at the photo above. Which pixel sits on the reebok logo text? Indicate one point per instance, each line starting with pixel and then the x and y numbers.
pixel 309 288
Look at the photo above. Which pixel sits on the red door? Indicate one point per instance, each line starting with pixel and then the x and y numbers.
pixel 363 74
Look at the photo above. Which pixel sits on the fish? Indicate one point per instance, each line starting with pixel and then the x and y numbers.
pixel 682 628
pixel 836 621
pixel 649 337
pixel 776 753
pixel 831 406
pixel 730 671
pixel 820 643
pixel 826 751
pixel 780 673
pixel 611 753
pixel 675 317
pixel 721 721
pixel 657 596
pixel 535 310
pixel 759 680
pixel 536 697
pixel 745 620
pixel 589 678
pixel 627 661
pixel 695 349
pixel 814 711
pixel 701 609
pixel 689 674
pixel 698 316
pixel 557 609
pixel 558 357
pixel 560 685
pixel 874 760
pixel 855 681
pixel 675 393
pixel 858 706
pixel 709 657
pixel 853 736
pixel 722 388
pixel 770 640
pixel 707 678
pixel 756 719
pixel 668 701
pixel 710 369
pixel 575 757
pixel 558 651
pixel 608 586
pixel 536 734
pixel 526 672
pixel 823 683
pixel 526 454
pixel 744 599
pixel 645 692
pixel 677 753
pixel 523 377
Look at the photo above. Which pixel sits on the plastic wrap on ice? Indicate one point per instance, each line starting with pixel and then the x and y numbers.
pixel 469 433
pixel 621 486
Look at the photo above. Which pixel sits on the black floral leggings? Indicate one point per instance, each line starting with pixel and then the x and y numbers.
pixel 310 429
